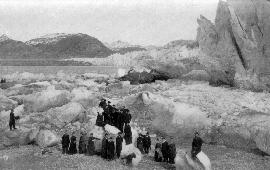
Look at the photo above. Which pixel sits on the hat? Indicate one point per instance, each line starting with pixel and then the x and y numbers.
pixel 196 133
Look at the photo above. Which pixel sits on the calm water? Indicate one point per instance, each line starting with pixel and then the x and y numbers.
pixel 54 69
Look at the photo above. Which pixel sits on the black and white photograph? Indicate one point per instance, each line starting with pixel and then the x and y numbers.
pixel 134 84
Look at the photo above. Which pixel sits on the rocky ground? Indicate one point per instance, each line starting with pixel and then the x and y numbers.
pixel 30 157
pixel 224 116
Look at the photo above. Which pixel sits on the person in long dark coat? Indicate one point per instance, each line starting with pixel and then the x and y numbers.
pixel 104 146
pixel 140 143
pixel 110 110
pixel 106 115
pixel 100 120
pixel 128 134
pixel 110 149
pixel 114 116
pixel 146 143
pixel 83 143
pixel 120 120
pixel 72 146
pixel 196 145
pixel 164 150
pixel 65 143
pixel 158 154
pixel 12 120
pixel 172 152
pixel 119 141
pixel 91 145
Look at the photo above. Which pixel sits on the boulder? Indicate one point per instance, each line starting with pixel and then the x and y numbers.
pixel 111 129
pixel 184 161
pixel 6 103
pixel 65 114
pixel 47 138
pixel 16 137
pixel 130 149
pixel 247 129
pixel 49 98
pixel 169 117
pixel 199 75
pixel 98 132
pixel 85 97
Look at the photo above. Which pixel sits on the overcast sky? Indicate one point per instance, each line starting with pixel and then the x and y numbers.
pixel 142 22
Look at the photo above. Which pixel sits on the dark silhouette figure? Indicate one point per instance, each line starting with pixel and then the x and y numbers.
pixel 110 149
pixel 119 141
pixel 83 144
pixel 104 146
pixel 12 120
pixel 147 143
pixel 164 150
pixel 140 143
pixel 72 146
pixel 196 145
pixel 128 134
pixel 158 154
pixel 91 145
pixel 120 120
pixel 100 120
pixel 172 152
pixel 65 143
pixel 103 104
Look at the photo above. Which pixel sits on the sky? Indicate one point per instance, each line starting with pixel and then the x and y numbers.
pixel 142 22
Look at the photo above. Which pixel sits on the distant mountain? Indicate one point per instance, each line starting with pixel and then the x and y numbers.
pixel 12 49
pixel 123 47
pixel 53 46
pixel 71 45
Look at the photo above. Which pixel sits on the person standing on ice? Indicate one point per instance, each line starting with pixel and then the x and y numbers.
pixel 172 151
pixel 146 143
pixel 100 121
pixel 158 154
pixel 72 146
pixel 140 143
pixel 12 120
pixel 104 146
pixel 128 134
pixel 91 145
pixel 196 145
pixel 165 149
pixel 83 143
pixel 65 143
pixel 110 149
pixel 119 141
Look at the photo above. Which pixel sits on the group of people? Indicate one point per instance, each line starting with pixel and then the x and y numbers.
pixel 109 148
pixel 86 144
pixel 118 117
pixel 112 115
pixel 3 80
pixel 144 143
pixel 165 151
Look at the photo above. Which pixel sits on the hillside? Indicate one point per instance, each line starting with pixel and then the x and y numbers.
pixel 54 46
pixel 66 45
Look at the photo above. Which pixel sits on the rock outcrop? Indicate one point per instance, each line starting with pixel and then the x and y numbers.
pixel 239 40
pixel 238 127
